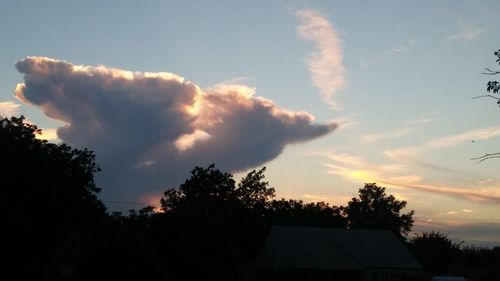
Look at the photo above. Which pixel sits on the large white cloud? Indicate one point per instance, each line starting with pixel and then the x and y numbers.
pixel 149 129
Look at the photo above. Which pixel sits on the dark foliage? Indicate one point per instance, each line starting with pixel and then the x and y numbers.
pixel 435 251
pixel 494 86
pixel 207 191
pixel 44 186
pixel 210 227
pixel 234 220
pixel 45 182
pixel 296 212
pixel 375 209
pixel 439 255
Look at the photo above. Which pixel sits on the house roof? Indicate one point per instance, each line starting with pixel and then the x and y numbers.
pixel 326 255
pixel 335 248
pixel 448 278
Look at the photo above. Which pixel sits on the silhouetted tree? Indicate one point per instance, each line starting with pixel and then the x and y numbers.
pixel 45 182
pixel 209 219
pixel 375 209
pixel 208 190
pixel 480 256
pixel 440 255
pixel 492 87
pixel 234 219
pixel 296 212
pixel 253 191
pixel 44 186
pixel 435 251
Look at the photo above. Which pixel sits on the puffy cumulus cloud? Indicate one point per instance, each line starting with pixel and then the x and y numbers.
pixel 149 129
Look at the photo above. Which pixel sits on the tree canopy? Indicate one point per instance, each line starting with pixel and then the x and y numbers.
pixel 210 190
pixel 42 181
pixel 45 187
pixel 435 251
pixel 375 209
pixel 209 222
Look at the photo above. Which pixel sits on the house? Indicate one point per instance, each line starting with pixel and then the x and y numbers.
pixel 312 253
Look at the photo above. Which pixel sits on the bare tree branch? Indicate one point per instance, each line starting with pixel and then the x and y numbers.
pixel 491 87
pixel 483 96
pixel 490 72
pixel 486 157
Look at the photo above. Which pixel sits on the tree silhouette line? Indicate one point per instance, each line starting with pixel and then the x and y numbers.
pixel 56 228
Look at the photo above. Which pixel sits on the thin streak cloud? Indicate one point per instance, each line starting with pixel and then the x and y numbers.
pixel 388 135
pixel 467 32
pixel 325 62
pixel 445 142
pixel 487 196
pixel 358 170
pixel 379 58
pixel 421 121
pixel 478 233
pixel 8 108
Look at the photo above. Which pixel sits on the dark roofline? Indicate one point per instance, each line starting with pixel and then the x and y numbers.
pixel 410 263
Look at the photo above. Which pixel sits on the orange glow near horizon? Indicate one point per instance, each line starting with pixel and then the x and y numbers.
pixel 153 200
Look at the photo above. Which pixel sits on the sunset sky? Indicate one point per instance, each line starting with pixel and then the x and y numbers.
pixel 327 95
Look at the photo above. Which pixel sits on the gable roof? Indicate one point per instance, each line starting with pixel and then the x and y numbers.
pixel 326 255
pixel 335 248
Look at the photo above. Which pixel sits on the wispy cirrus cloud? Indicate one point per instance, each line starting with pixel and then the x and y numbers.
pixel 398 133
pixel 356 169
pixel 8 108
pixel 475 233
pixel 350 167
pixel 445 142
pixel 314 197
pixel 410 127
pixel 346 122
pixel 430 166
pixel 325 62
pixel 466 31
pixel 394 51
pixel 486 181
pixel 420 121
pixel 489 195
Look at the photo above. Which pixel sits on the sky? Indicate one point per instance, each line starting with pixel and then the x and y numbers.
pixel 328 95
